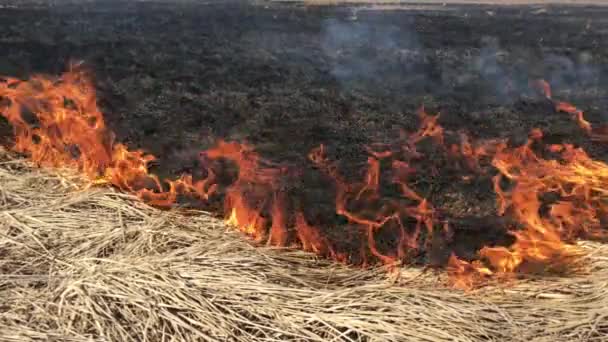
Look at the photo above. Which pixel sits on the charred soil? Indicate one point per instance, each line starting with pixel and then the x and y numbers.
pixel 173 78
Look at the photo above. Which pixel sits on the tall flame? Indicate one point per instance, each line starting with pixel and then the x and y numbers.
pixel 541 244
pixel 56 122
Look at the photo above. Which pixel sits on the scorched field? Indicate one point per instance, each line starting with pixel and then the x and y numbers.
pixel 265 171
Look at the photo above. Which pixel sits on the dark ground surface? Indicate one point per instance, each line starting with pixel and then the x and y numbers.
pixel 174 77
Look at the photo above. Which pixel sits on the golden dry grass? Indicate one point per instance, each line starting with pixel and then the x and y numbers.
pixel 80 264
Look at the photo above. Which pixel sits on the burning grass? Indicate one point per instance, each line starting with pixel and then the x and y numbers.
pixel 81 264
pixel 391 204
pixel 57 123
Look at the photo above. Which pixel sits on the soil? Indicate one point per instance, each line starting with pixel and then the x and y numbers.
pixel 174 77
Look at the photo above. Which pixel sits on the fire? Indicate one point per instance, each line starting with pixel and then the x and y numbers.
pixel 466 275
pixel 248 225
pixel 57 123
pixel 596 133
pixel 542 243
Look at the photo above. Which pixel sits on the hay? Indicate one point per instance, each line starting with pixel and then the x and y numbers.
pixel 82 264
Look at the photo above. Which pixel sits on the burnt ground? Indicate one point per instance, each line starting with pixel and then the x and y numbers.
pixel 174 77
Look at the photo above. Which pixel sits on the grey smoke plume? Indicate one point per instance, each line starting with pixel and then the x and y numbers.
pixel 358 51
pixel 564 71
pixel 494 67
pixel 488 62
pixel 488 65
pixel 581 71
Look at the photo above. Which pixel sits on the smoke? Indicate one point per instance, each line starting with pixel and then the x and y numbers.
pixel 488 65
pixel 564 71
pixel 577 77
pixel 360 51
pixel 578 74
pixel 500 69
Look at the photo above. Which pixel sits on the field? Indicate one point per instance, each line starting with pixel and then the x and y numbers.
pixel 172 78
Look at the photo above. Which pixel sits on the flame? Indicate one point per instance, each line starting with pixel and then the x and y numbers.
pixel 599 134
pixel 411 218
pixel 56 122
pixel 248 224
pixel 465 275
pixel 542 243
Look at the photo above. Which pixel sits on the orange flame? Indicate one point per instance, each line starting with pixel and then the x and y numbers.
pixel 541 243
pixel 596 133
pixel 57 123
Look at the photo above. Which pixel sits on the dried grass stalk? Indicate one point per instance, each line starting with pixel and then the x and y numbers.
pixel 80 264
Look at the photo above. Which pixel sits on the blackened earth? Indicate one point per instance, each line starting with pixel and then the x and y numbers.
pixel 174 77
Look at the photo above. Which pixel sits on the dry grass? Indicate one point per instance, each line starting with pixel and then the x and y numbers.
pixel 92 264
